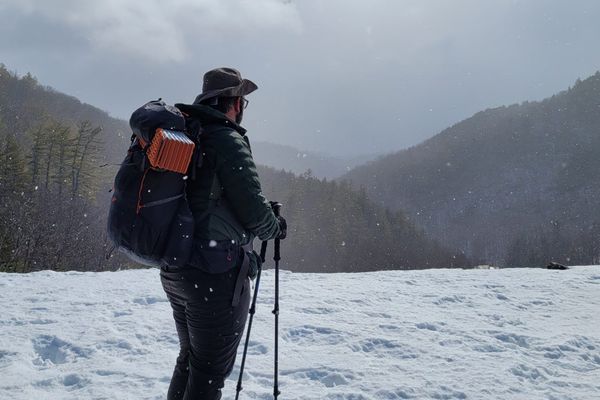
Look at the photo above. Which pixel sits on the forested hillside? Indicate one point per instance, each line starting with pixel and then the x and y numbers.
pixel 334 228
pixel 515 185
pixel 58 159
pixel 53 177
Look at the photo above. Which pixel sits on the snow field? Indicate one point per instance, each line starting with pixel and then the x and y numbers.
pixel 435 334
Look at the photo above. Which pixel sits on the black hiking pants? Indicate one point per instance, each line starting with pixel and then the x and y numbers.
pixel 209 329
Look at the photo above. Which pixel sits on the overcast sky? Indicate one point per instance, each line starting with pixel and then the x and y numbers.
pixel 337 76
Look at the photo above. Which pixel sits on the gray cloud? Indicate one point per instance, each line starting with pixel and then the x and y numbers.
pixel 336 76
pixel 140 29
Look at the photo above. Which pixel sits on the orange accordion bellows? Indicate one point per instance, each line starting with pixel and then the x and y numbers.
pixel 170 150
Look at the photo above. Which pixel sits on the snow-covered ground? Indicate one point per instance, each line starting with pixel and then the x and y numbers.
pixel 436 334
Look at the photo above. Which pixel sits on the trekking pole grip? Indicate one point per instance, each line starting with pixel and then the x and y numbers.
pixel 277 211
pixel 276 208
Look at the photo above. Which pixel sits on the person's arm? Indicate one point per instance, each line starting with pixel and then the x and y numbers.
pixel 237 174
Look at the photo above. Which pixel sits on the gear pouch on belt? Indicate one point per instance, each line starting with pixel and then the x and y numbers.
pixel 215 257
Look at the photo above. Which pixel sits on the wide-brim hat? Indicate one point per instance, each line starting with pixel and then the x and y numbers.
pixel 224 82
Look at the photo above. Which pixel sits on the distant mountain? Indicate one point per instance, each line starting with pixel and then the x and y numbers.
pixel 510 184
pixel 297 161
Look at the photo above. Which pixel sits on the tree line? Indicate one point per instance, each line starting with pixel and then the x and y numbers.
pixel 551 243
pixel 49 183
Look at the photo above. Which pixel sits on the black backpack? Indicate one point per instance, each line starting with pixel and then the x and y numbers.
pixel 149 218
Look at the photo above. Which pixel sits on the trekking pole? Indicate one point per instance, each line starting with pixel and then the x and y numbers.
pixel 276 258
pixel 263 253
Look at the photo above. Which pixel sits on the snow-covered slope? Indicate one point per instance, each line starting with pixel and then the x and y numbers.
pixel 436 334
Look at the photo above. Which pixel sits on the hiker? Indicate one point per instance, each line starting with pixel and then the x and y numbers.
pixel 210 296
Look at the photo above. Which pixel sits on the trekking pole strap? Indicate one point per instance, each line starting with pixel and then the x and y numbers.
pixel 242 275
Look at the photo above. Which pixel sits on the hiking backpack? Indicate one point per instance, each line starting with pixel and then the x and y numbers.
pixel 149 218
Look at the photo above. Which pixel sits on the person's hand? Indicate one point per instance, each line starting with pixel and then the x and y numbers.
pixel 282 228
pixel 276 206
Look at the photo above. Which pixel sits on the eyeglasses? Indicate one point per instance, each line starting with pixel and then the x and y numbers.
pixel 244 103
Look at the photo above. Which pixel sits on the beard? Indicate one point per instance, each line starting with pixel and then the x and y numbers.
pixel 239 117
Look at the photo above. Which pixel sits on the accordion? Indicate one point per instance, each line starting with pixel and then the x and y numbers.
pixel 169 150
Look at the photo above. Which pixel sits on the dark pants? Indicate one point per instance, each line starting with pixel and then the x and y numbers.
pixel 209 329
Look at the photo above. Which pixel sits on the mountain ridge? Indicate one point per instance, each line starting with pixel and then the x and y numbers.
pixel 505 174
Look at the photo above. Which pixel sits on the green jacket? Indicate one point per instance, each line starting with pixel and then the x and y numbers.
pixel 224 193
